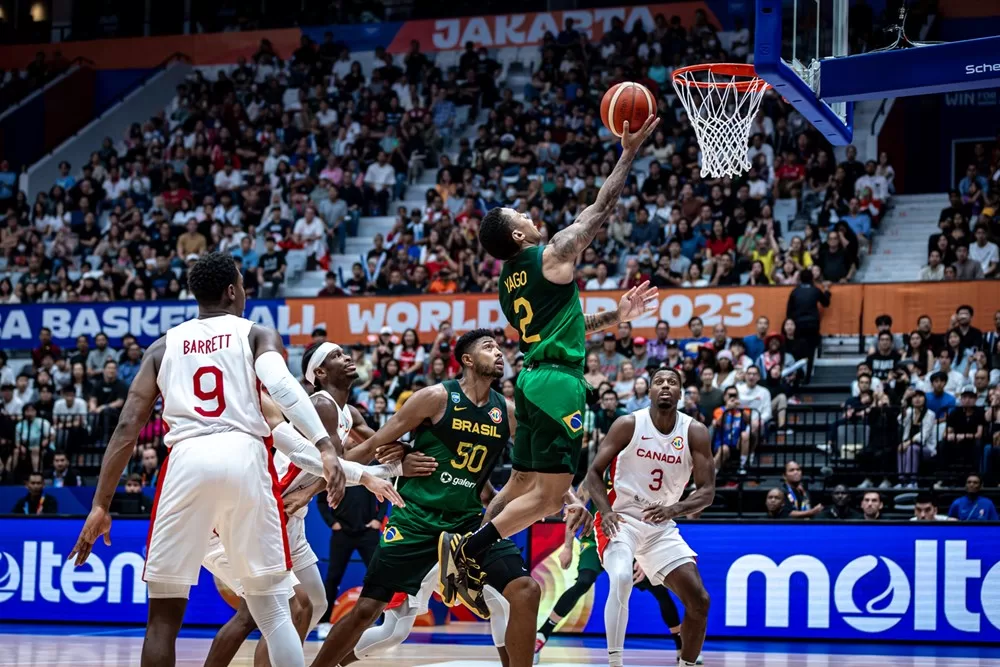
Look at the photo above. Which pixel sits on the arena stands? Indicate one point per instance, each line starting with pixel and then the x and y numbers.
pixel 329 173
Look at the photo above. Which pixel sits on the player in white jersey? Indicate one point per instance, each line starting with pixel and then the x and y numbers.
pixel 298 482
pixel 218 474
pixel 652 454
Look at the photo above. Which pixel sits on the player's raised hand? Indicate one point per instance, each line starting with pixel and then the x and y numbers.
pixel 383 489
pixel 632 141
pixel 636 302
pixel 333 473
pixel 98 523
pixel 416 464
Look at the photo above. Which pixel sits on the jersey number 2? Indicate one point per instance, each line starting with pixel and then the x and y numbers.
pixel 215 394
pixel 519 305
pixel 657 480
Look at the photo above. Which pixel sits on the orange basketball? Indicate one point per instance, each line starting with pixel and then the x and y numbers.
pixel 627 101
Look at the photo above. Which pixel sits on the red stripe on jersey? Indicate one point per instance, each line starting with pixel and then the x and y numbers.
pixel 612 494
pixel 602 539
pixel 289 477
pixel 276 490
pixel 156 504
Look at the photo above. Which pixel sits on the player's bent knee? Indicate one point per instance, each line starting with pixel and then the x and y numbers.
pixel 697 603
pixel 523 591
pixel 366 611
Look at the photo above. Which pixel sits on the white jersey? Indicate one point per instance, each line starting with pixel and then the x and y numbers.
pixel 208 382
pixel 653 469
pixel 290 476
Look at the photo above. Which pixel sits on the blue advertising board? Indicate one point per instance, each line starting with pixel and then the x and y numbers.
pixel 38 583
pixel 854 581
pixel 858 581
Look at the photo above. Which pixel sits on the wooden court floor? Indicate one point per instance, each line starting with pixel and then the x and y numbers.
pixel 91 648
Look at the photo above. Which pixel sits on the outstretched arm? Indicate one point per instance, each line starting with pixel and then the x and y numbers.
pixel 142 394
pixel 559 256
pixel 135 413
pixel 617 439
pixel 427 404
pixel 635 302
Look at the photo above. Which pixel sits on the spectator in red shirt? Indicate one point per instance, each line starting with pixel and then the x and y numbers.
pixel 789 174
pixel 45 347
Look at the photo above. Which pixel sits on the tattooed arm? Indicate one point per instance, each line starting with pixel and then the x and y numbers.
pixel 634 303
pixel 559 256
pixel 597 321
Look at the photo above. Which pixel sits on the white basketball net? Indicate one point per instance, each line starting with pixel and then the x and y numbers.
pixel 721 108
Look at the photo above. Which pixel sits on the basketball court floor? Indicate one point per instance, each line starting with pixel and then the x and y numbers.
pixel 75 646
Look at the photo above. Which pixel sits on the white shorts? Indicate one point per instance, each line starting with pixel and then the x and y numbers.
pixel 659 549
pixel 217 562
pixel 302 554
pixel 224 482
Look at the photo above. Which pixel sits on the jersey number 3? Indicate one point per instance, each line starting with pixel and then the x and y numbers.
pixel 214 394
pixel 657 480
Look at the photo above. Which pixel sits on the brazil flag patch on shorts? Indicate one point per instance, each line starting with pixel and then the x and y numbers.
pixel 392 534
pixel 574 421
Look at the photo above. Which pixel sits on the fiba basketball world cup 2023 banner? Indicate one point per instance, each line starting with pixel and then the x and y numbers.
pixel 853 309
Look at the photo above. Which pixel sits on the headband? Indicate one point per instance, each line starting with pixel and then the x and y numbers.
pixel 318 357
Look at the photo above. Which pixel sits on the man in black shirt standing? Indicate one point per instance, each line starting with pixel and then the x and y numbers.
pixel 107 396
pixel 837 266
pixel 270 270
pixel 964 431
pixel 885 357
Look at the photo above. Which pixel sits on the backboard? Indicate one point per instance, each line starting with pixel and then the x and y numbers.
pixel 803 48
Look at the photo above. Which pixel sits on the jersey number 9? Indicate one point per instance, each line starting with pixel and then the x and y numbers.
pixel 214 394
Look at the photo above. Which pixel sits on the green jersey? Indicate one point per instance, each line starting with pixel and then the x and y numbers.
pixel 548 315
pixel 466 443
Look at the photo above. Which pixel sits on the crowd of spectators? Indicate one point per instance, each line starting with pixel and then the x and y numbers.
pixel 967 247
pixel 296 149
pixel 924 401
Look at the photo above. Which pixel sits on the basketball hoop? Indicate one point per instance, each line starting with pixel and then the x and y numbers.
pixel 721 99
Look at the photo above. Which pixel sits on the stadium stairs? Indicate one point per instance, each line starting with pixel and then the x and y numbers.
pixel 900 247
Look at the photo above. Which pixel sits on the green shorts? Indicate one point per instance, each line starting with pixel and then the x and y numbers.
pixel 588 558
pixel 407 550
pixel 549 400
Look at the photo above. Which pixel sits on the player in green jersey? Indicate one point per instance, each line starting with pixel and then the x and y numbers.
pixel 539 297
pixel 465 425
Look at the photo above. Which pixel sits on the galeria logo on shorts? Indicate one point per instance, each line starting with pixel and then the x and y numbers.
pixel 883 611
pixel 448 478
pixel 42 573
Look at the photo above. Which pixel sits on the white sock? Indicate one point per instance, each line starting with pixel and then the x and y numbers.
pixel 743 460
pixel 685 663
pixel 615 658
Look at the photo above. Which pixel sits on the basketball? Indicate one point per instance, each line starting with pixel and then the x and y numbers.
pixel 627 101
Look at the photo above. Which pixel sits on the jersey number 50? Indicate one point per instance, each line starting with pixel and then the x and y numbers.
pixel 473 457
pixel 214 394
